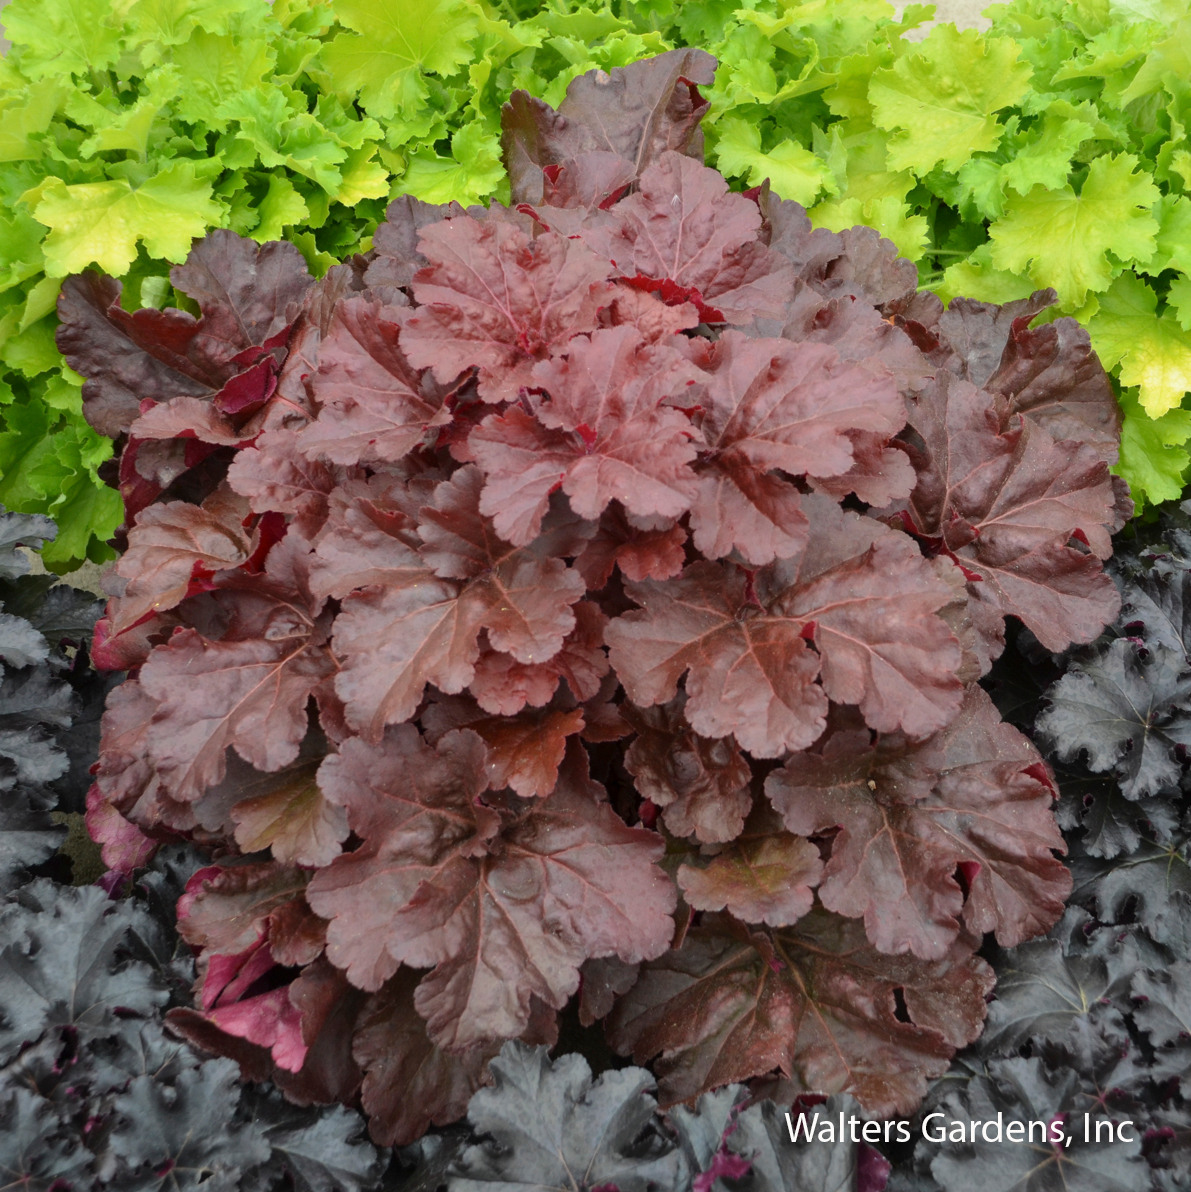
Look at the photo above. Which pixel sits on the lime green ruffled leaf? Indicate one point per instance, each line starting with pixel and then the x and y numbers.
pixel 794 172
pixel 1153 457
pixel 1179 300
pixel 472 172
pixel 62 37
pixel 391 43
pixel 282 207
pixel 1045 158
pixel 83 507
pixel 1153 351
pixel 1173 249
pixel 941 100
pixel 977 277
pixel 100 223
pixel 213 67
pixel 20 248
pixel 171 22
pixel 1063 239
pixel 889 215
pixel 24 117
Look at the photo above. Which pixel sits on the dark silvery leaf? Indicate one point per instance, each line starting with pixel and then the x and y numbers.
pixel 1111 824
pixel 20 644
pixel 550 1127
pixel 60 965
pixel 1039 992
pixel 828 1164
pixel 431 1157
pixel 32 697
pixel 701 1131
pixel 1127 711
pixel 22 529
pixel 323 1151
pixel 36 1155
pixel 29 755
pixel 1165 1013
pixel 1142 882
pixel 27 835
pixel 181 1136
pixel 1023 1090
pixel 1157 608
pixel 81 743
pixel 64 614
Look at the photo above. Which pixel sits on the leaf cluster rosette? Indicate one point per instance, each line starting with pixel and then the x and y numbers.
pixel 589 598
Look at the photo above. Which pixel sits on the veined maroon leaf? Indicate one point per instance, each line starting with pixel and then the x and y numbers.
pixel 683 234
pixel 764 876
pixel 372 404
pixel 247 690
pixel 701 783
pixel 226 909
pixel 172 546
pixel 424 626
pixel 815 1001
pixel 769 405
pixel 409 1082
pixel 602 433
pixel 524 750
pixel 503 685
pixel 974 797
pixel 635 112
pixel 866 598
pixel 494 300
pixel 1006 503
pixel 640 553
pixel 505 901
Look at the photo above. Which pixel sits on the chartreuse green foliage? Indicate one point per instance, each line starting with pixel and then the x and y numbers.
pixel 1050 151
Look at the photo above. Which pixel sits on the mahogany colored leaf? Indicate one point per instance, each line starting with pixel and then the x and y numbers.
pixel 814 1001
pixel 287 812
pixel 249 293
pixel 604 979
pixel 226 909
pixel 858 261
pixel 524 750
pixel 171 545
pixel 653 553
pixel 395 240
pixel 975 798
pixel 546 1124
pixel 769 405
pixel 764 876
pixel 277 478
pixel 409 1083
pixel 502 685
pixel 1048 373
pixel 683 234
pixel 602 432
pixel 636 112
pixel 372 405
pixel 701 783
pixel 128 358
pixel 124 848
pixel 1007 503
pixel 424 625
pixel 866 598
pixel 249 694
pixel 507 903
pixel 494 300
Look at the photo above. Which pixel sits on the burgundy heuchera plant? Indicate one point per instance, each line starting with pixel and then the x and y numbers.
pixel 588 597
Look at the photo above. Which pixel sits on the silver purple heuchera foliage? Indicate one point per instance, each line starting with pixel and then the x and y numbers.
pixel 589 596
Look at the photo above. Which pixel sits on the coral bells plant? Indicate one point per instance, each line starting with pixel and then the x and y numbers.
pixel 589 597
